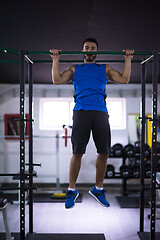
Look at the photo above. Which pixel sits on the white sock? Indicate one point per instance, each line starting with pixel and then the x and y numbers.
pixel 98 188
pixel 71 189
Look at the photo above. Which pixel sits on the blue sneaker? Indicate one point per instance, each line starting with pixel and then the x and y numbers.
pixel 71 198
pixel 99 195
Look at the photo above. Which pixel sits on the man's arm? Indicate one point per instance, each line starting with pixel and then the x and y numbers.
pixel 57 77
pixel 116 76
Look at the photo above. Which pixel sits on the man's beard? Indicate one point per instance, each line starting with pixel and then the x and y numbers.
pixel 89 58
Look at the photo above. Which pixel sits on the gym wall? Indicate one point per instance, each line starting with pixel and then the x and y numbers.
pixel 44 151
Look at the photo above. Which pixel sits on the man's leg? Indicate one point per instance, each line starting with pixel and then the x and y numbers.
pixel 102 139
pixel 97 191
pixel 101 165
pixel 75 165
pixel 72 193
pixel 80 136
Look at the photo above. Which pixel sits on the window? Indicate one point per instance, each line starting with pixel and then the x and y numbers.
pixel 117 113
pixel 56 112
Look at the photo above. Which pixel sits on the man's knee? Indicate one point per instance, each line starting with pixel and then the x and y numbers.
pixel 77 156
pixel 103 156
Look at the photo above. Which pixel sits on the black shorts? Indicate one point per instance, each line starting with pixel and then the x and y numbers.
pixel 86 121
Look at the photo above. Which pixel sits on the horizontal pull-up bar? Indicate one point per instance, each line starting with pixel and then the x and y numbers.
pixel 17 52
pixel 81 61
pixel 9 50
pixel 71 61
pixel 82 53
pixel 9 61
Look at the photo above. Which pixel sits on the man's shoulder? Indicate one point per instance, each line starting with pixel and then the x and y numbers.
pixel 72 68
pixel 107 67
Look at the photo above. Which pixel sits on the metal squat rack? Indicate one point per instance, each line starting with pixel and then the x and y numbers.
pixel 152 235
pixel 23 57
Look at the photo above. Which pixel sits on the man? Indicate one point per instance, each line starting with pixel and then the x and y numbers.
pixel 90 113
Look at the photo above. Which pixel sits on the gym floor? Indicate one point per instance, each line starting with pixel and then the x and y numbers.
pixel 87 217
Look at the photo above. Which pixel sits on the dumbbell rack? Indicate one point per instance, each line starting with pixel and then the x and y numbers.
pixel 130 168
pixel 117 175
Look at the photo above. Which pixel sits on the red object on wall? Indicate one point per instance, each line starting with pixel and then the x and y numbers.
pixel 12 126
pixel 66 136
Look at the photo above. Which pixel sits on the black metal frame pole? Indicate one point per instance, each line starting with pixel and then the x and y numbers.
pixel 142 120
pixel 22 145
pixel 30 81
pixel 154 143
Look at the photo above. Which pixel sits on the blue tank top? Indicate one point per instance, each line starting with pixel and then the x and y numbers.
pixel 90 83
